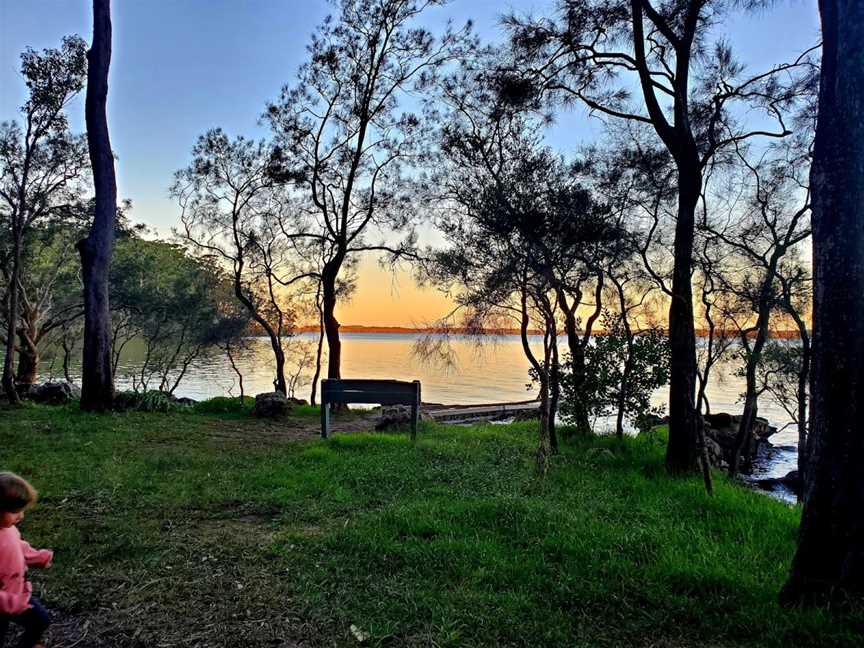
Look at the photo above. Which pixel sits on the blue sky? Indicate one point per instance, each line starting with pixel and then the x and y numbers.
pixel 183 66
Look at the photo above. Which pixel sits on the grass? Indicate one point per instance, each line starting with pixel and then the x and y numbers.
pixel 208 528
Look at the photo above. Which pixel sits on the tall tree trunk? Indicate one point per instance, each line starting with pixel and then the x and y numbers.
pixel 681 453
pixel 97 381
pixel 331 324
pixel 829 562
pixel 28 357
pixel 554 373
pixel 12 319
pixel 803 381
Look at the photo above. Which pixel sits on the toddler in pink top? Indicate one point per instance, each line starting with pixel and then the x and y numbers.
pixel 17 604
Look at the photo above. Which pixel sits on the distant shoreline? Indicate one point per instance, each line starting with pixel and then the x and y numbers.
pixel 407 330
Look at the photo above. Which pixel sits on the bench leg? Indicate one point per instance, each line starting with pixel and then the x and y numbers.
pixel 325 419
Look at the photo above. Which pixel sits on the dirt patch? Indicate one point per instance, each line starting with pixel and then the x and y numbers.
pixel 210 581
pixel 268 433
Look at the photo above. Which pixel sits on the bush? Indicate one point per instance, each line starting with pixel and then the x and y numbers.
pixel 150 401
pixel 224 405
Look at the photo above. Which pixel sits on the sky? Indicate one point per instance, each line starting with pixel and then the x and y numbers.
pixel 180 67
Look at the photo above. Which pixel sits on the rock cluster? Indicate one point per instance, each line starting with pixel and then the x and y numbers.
pixel 720 432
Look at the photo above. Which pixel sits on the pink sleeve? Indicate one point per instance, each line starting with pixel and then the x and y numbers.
pixel 36 557
pixel 12 603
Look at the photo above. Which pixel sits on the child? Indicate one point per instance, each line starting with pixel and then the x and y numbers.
pixel 16 602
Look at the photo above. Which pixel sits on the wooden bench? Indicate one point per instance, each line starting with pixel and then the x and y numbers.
pixel 379 392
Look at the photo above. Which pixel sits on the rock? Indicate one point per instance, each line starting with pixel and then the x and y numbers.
pixel 183 400
pixel 54 393
pixel 715 453
pixel 717 421
pixel 271 405
pixel 791 480
pixel 397 416
pixel 298 401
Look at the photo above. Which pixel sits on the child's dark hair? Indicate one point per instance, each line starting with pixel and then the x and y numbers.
pixel 16 493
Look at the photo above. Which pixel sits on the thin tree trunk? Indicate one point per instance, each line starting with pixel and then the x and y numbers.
pixel 681 453
pixel 744 437
pixel 236 370
pixel 97 381
pixel 319 349
pixel 67 354
pixel 829 563
pixel 544 449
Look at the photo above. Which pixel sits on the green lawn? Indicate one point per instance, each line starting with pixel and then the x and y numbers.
pixel 212 529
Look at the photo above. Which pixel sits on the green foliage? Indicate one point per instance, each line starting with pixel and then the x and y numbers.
pixel 177 304
pixel 606 360
pixel 777 374
pixel 224 405
pixel 451 541
pixel 148 401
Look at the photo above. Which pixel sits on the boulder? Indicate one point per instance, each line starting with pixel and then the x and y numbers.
pixel 298 401
pixel 271 405
pixel 397 416
pixel 183 400
pixel 54 393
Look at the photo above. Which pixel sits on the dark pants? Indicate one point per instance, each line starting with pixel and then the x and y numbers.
pixel 35 622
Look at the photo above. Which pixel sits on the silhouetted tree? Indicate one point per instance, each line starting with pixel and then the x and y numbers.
pixel 341 126
pixel 521 230
pixel 97 380
pixel 667 53
pixel 757 232
pixel 40 163
pixel 233 209
pixel 829 563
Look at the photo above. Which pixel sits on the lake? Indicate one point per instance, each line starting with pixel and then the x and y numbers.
pixel 495 371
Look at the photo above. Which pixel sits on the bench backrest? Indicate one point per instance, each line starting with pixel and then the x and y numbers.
pixel 381 392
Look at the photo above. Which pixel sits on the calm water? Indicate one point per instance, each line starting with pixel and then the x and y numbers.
pixel 497 371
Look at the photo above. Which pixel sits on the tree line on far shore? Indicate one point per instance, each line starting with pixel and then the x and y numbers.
pixel 699 199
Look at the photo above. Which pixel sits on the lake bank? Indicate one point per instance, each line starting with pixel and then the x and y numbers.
pixel 491 370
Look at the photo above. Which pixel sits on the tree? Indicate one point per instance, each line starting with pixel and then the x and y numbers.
pixel 40 165
pixel 177 305
pixel 342 127
pixel 97 380
pixel 665 50
pixel 829 562
pixel 627 366
pixel 762 231
pixel 49 290
pixel 234 209
pixel 522 231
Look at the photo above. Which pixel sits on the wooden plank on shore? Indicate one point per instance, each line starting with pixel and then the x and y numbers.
pixel 481 412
